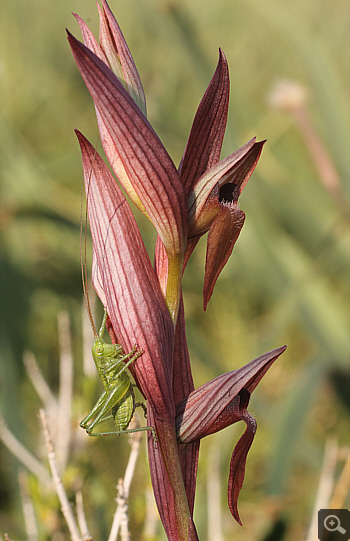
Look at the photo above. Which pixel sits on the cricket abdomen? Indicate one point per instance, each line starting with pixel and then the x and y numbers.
pixel 124 410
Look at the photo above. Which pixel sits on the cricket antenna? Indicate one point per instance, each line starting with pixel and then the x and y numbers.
pixel 83 253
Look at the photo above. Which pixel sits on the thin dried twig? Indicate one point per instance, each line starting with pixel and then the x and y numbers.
pixel 342 486
pixel 135 441
pixel 81 517
pixel 23 455
pixel 121 515
pixel 123 507
pixel 63 424
pixel 325 486
pixel 27 506
pixel 152 517
pixel 43 390
pixel 56 476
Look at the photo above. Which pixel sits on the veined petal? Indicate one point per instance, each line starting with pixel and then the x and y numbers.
pixel 146 162
pixel 197 414
pixel 134 302
pixel 109 47
pixel 117 165
pixel 107 142
pixel 207 133
pixel 223 234
pixel 119 57
pixel 220 403
pixel 97 278
pixel 89 39
pixel 236 168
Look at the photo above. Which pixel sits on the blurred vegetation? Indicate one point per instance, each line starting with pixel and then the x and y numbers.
pixel 288 278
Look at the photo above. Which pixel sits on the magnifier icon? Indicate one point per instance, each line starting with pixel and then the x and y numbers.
pixel 332 524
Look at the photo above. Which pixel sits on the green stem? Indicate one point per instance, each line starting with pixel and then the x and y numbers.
pixel 173 288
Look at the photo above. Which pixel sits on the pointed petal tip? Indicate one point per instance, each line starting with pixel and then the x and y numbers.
pixel 77 17
pixel 222 56
pixel 72 39
pixel 253 139
pixel 260 143
pixel 237 519
pixel 79 134
pixel 81 138
pixel 70 36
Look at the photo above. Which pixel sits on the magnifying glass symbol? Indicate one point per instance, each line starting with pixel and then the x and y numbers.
pixel 332 524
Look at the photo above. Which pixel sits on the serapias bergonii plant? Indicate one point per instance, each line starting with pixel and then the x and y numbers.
pixel 144 302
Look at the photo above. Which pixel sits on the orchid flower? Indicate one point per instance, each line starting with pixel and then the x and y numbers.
pixel 144 302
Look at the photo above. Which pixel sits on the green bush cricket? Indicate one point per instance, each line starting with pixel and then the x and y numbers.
pixel 118 395
pixel 117 401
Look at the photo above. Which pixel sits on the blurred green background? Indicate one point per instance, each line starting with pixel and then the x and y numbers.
pixel 287 281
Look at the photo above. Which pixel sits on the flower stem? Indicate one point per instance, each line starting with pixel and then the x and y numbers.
pixel 171 460
pixel 173 288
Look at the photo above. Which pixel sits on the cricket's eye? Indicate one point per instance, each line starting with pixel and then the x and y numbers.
pixel 99 349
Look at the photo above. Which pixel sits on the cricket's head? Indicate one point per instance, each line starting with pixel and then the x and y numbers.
pixel 103 349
